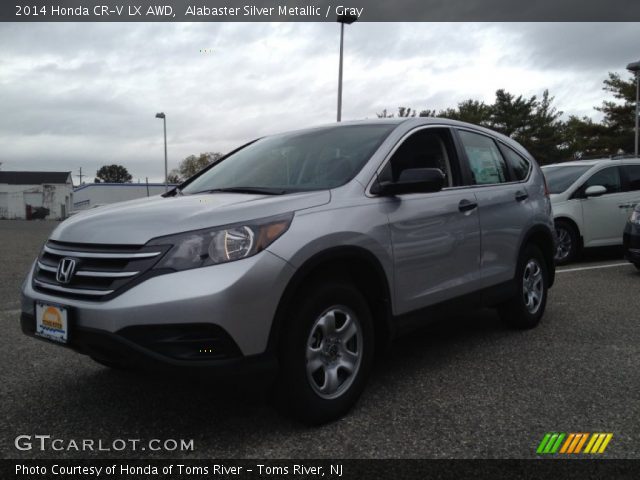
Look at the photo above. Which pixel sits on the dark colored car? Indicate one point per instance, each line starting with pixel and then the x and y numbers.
pixel 631 238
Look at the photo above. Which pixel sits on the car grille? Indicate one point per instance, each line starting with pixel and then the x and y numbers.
pixel 101 271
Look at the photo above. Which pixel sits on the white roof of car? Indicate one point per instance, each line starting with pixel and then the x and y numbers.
pixel 595 161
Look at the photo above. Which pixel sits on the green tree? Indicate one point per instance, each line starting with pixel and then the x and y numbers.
pixel 544 135
pixel 471 111
pixel 619 115
pixel 192 165
pixel 112 174
pixel 585 138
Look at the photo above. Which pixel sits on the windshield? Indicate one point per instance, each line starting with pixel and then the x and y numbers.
pixel 316 159
pixel 561 177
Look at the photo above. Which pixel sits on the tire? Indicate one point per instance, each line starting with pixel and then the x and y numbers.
pixel 329 328
pixel 568 242
pixel 637 265
pixel 526 308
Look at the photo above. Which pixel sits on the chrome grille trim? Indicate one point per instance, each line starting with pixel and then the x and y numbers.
pixel 71 253
pixel 76 291
pixel 90 273
pixel 102 271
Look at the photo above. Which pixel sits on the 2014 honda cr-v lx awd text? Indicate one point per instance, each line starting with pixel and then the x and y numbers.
pixel 306 251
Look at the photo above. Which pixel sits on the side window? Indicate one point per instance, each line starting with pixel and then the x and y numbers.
pixel 427 148
pixel 609 178
pixel 519 165
pixel 633 176
pixel 485 160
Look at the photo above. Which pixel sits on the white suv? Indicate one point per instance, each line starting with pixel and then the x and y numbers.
pixel 592 200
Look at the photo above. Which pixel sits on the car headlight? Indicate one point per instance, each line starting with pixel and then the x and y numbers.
pixel 635 217
pixel 202 248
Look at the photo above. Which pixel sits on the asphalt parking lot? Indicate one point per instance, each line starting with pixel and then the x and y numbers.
pixel 465 388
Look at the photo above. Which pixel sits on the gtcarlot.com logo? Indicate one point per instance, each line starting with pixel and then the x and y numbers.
pixel 573 443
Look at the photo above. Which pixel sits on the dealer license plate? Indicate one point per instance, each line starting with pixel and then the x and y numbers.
pixel 52 322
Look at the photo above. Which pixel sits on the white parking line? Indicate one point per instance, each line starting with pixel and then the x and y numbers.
pixel 579 269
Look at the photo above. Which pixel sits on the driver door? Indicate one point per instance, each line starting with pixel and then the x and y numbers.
pixel 435 236
pixel 603 217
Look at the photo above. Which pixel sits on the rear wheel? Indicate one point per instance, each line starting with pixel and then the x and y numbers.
pixel 567 246
pixel 526 308
pixel 326 352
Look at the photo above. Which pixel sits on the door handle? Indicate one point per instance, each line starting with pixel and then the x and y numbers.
pixel 520 195
pixel 466 205
pixel 624 205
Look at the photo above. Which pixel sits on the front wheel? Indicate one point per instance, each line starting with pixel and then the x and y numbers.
pixel 326 352
pixel 526 308
pixel 567 242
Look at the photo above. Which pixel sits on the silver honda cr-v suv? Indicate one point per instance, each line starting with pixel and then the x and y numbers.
pixel 306 251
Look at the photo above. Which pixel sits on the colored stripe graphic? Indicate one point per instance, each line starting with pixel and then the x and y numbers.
pixel 573 443
pixel 550 443
pixel 598 443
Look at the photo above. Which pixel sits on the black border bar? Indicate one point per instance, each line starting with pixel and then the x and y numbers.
pixel 319 10
pixel 565 469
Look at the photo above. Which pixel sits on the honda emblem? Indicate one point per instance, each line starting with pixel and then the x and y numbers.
pixel 66 269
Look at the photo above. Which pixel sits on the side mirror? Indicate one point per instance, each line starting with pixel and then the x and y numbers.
pixel 412 180
pixel 595 191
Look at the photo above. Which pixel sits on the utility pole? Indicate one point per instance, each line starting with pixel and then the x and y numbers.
pixel 635 69
pixel 342 19
pixel 166 171
pixel 80 176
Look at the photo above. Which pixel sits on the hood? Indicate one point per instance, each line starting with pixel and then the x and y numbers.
pixel 137 221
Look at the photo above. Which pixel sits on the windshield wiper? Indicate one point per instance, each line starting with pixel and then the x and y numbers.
pixel 259 190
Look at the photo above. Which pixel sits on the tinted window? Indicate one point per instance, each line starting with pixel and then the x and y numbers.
pixel 485 160
pixel 427 148
pixel 561 177
pixel 309 160
pixel 633 175
pixel 608 178
pixel 519 165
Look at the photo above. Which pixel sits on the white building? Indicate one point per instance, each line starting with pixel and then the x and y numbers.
pixel 95 194
pixel 32 195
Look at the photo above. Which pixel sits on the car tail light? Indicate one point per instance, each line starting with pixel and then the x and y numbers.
pixel 547 193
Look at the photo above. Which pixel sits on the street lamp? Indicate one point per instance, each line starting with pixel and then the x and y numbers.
pixel 166 172
pixel 635 68
pixel 342 19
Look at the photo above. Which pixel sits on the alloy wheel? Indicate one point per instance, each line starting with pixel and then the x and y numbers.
pixel 334 352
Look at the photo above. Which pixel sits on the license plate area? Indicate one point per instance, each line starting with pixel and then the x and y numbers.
pixel 52 322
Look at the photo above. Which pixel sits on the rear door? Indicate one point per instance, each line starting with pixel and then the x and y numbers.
pixel 435 236
pixel 503 203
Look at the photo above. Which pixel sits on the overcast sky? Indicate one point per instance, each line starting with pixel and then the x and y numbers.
pixel 84 95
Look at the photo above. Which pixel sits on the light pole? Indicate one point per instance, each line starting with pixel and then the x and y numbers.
pixel 342 19
pixel 166 172
pixel 635 68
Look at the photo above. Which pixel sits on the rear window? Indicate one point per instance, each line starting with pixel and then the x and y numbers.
pixel 485 160
pixel 519 165
pixel 633 176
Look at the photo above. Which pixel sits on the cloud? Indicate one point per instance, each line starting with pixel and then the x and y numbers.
pixel 78 94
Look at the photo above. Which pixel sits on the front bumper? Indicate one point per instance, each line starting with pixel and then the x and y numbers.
pixel 631 243
pixel 225 311
pixel 119 349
